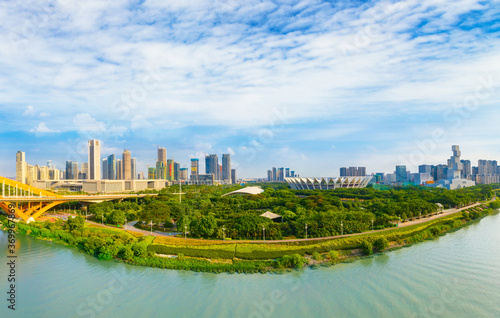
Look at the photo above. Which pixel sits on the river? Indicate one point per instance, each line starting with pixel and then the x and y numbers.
pixel 456 275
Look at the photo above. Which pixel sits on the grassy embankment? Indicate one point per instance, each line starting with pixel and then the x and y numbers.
pixel 210 256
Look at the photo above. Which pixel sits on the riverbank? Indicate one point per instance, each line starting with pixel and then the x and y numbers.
pixel 237 257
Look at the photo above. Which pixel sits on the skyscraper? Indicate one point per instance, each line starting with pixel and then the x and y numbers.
pixel 455 166
pixel 226 167
pixel 170 169
pixel 401 175
pixel 71 170
pixel 94 159
pixel 119 169
pixel 133 167
pixel 126 164
pixel 195 168
pixel 104 166
pixel 269 175
pixel 21 168
pixel 177 171
pixel 162 155
pixel 112 175
pixel 233 176
pixel 212 166
pixel 274 174
pixel 183 174
pixel 287 173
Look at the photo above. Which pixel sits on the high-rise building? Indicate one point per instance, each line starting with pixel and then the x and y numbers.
pixel 281 175
pixel 94 159
pixel 104 166
pixel 425 169
pixel 287 173
pixel 50 165
pixel 343 172
pixel 126 165
pixel 151 173
pixel 195 168
pixel 454 164
pixel 269 175
pixel 21 168
pixel 440 172
pixel 212 166
pixel 353 172
pixel 177 171
pixel 401 174
pixel 133 168
pixel 183 174
pixel 112 175
pixel 119 169
pixel 233 176
pixel 162 155
pixel 292 174
pixel 226 167
pixel 275 175
pixel 170 169
pixel 71 170
pixel 466 169
pixel 161 170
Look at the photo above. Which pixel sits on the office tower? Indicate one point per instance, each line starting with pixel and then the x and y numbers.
pixel 195 168
pixel 112 175
pixel 281 175
pixel 343 172
pixel 151 173
pixel 21 168
pixel 454 164
pixel 183 174
pixel 170 169
pixel 292 174
pixel 133 168
pixel 274 174
pixel 126 165
pixel 94 160
pixel 177 171
pixel 50 165
pixel 162 155
pixel 119 169
pixel 361 171
pixel 212 166
pixel 287 173
pixel 71 170
pixel 467 169
pixel 32 174
pixel 226 167
pixel 401 174
pixel 233 176
pixel 43 173
pixel 104 166
pixel 161 170
pixel 269 175
pixel 425 169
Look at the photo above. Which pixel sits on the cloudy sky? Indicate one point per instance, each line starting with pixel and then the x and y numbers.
pixel 311 85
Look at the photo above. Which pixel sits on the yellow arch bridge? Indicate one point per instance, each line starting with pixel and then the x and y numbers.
pixel 29 203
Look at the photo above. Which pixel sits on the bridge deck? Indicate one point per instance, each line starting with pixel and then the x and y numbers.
pixel 67 198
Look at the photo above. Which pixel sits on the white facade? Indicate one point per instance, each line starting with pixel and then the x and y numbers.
pixel 328 183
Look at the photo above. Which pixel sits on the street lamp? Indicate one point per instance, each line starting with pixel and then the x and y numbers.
pixel 372 224
pixel 420 215
pixel 264 233
pixel 185 230
pixel 151 227
pixel 224 232
pixel 341 228
pixel 306 231
pixel 125 225
pixel 102 219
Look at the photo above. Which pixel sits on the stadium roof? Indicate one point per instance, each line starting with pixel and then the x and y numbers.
pixel 247 190
pixel 270 215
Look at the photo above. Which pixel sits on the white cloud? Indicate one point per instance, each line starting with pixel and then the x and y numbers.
pixel 86 123
pixel 43 129
pixel 231 151
pixel 44 114
pixel 30 111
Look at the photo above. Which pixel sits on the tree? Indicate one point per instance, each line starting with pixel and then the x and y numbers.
pixel 127 253
pixel 117 217
pixel 380 244
pixel 204 226
pixel 367 247
pixel 75 223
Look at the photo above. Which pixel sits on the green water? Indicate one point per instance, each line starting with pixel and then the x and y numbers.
pixel 457 275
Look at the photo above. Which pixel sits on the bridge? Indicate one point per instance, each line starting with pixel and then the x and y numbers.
pixel 29 203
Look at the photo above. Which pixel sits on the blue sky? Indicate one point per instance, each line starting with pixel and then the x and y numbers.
pixel 311 85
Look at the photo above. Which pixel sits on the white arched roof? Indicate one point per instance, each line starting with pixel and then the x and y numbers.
pixel 247 190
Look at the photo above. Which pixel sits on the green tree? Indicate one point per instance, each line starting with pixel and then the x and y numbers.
pixel 367 247
pixel 204 226
pixel 76 223
pixel 381 244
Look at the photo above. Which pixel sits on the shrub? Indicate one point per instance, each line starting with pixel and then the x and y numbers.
pixel 367 247
pixel 333 255
pixel 126 253
pixel 295 260
pixel 317 256
pixel 105 253
pixel 380 244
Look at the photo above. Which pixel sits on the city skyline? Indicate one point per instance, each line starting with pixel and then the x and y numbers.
pixel 392 80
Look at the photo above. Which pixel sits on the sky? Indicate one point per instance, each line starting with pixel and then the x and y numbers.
pixel 310 85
